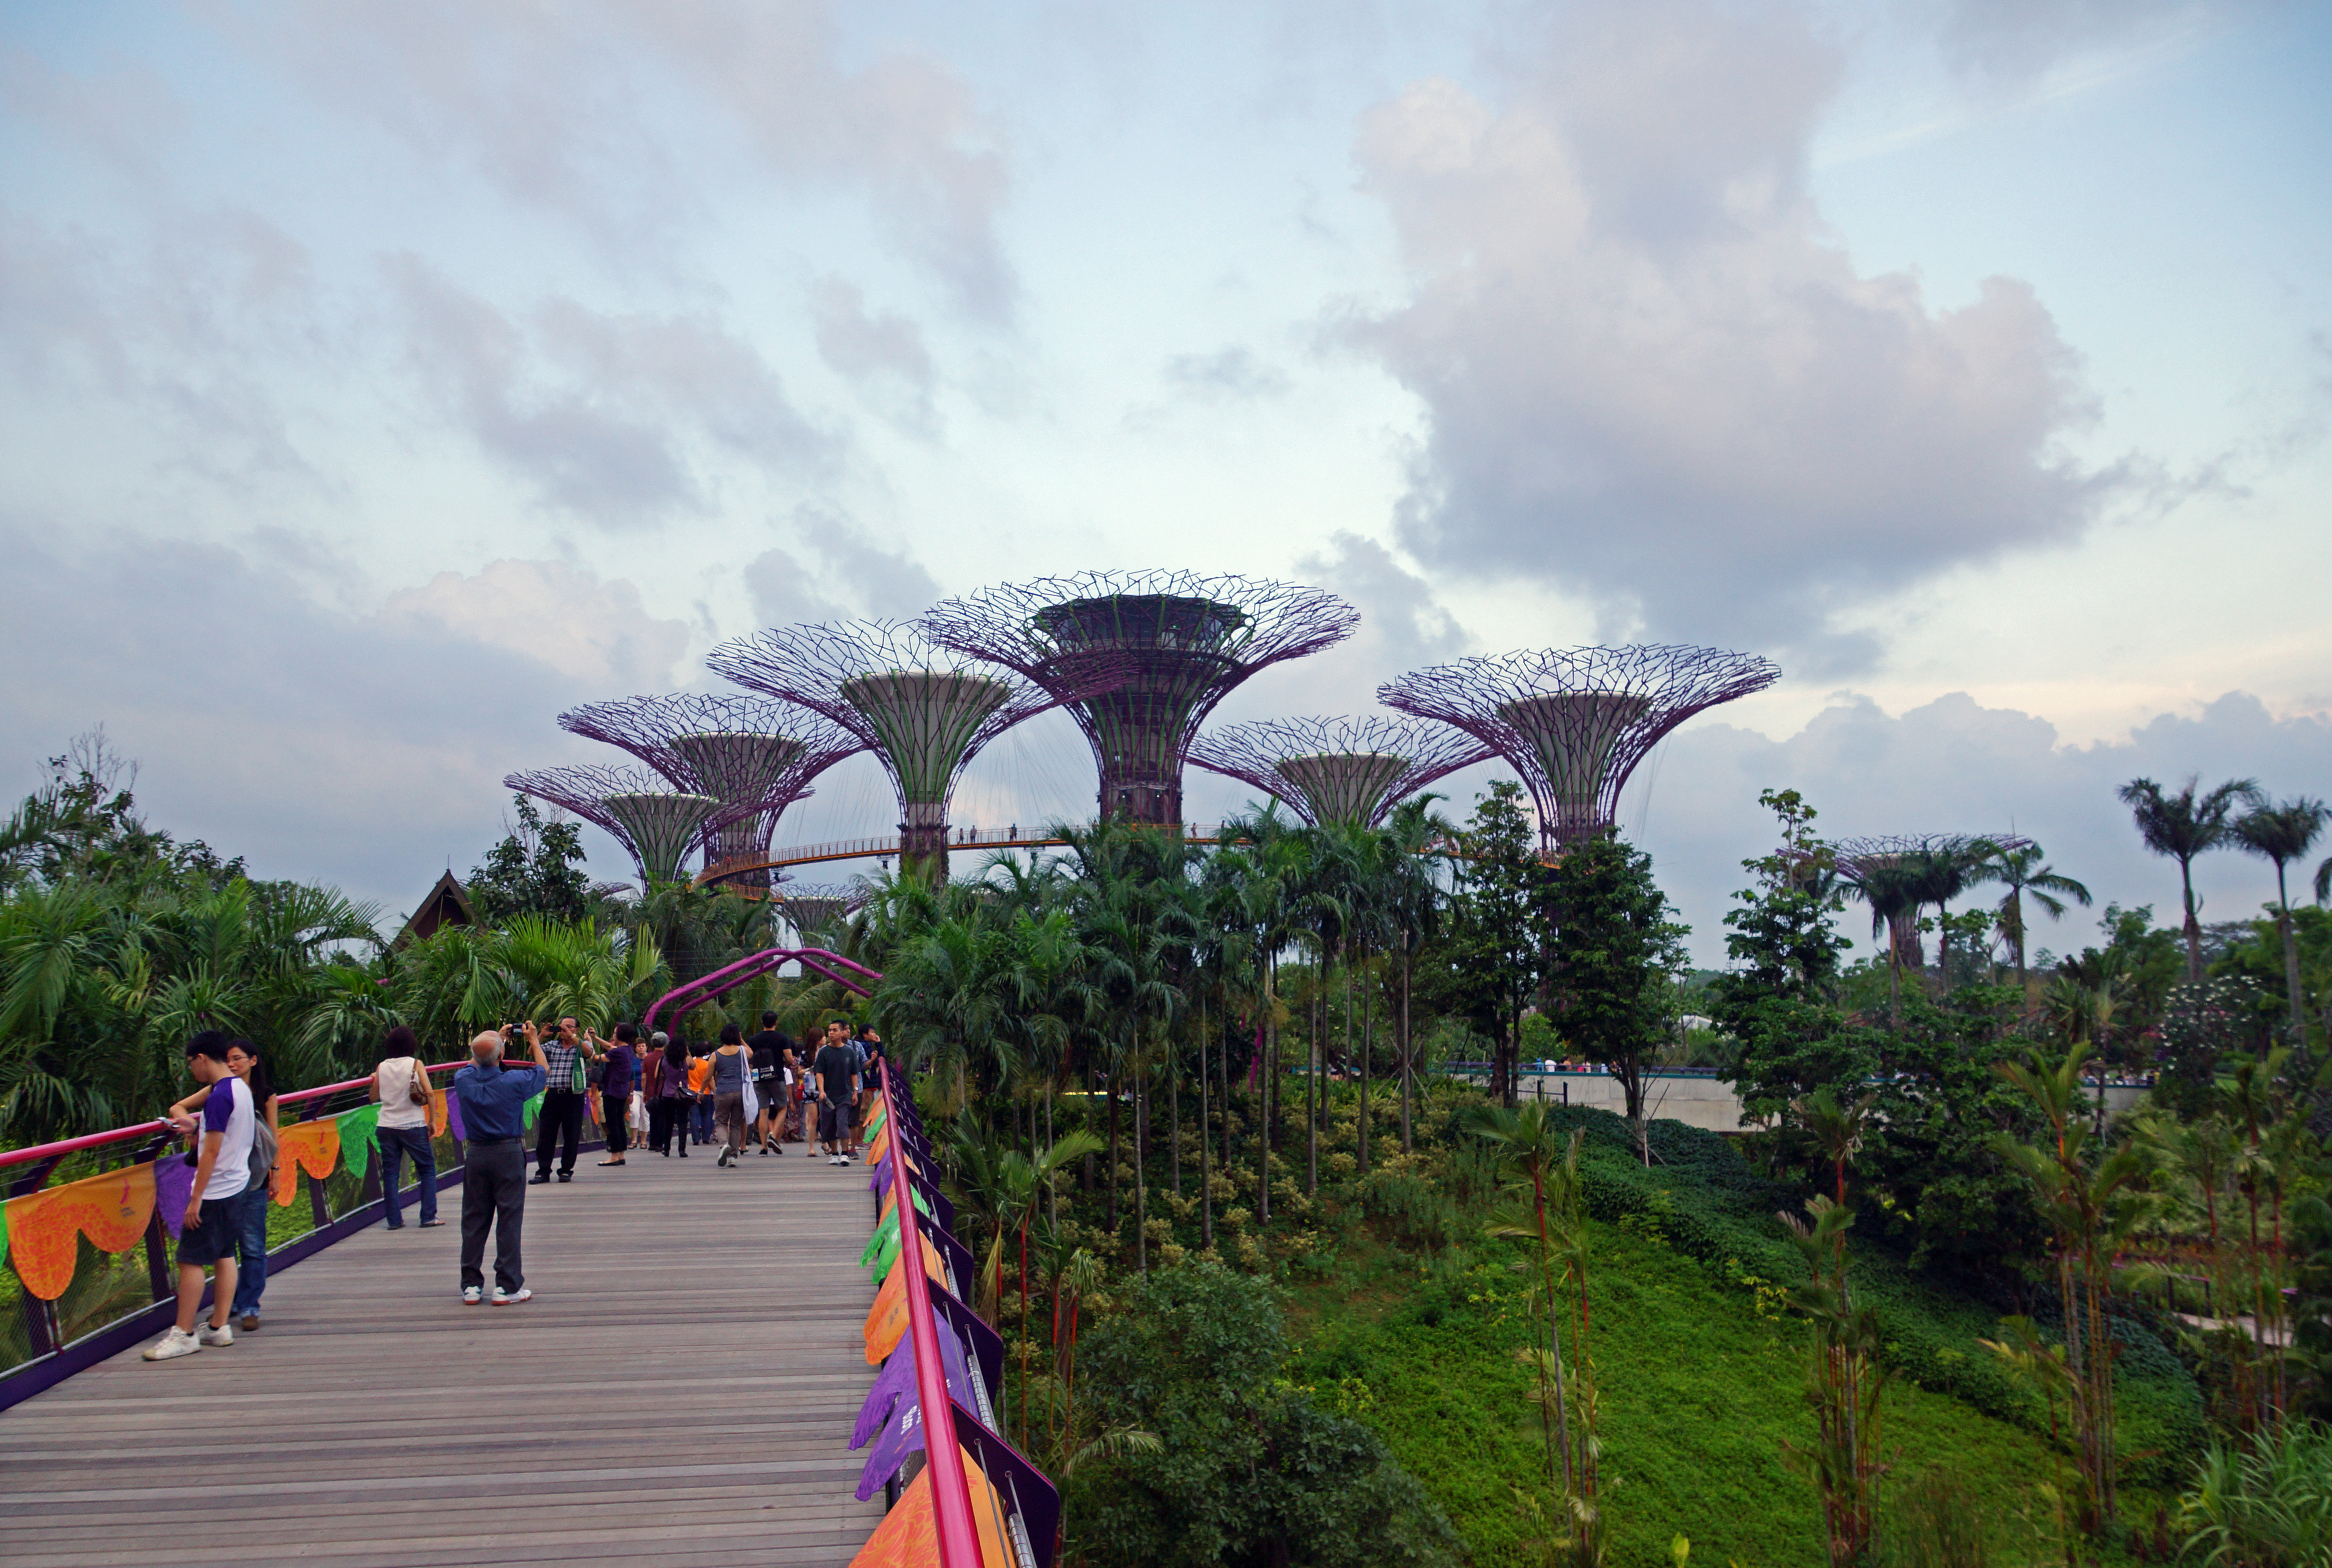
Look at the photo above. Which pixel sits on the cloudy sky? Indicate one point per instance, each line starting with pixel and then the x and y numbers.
pixel 381 378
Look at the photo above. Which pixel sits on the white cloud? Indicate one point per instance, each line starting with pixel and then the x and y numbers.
pixel 1653 376
pixel 1954 766
pixel 592 111
pixel 365 749
pixel 619 418
pixel 836 570
pixel 883 354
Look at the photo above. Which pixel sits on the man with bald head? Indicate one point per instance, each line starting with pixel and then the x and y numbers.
pixel 493 1162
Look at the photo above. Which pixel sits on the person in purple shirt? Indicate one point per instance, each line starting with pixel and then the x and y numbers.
pixel 623 1063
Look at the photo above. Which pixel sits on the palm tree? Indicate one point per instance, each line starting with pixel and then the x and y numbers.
pixel 1943 871
pixel 1891 888
pixel 2183 826
pixel 2025 874
pixel 1413 903
pixel 2283 834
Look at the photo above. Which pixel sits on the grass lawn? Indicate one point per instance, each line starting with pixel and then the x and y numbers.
pixel 1701 1384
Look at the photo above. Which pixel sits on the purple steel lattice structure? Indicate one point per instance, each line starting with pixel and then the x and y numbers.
pixel 810 905
pixel 1575 721
pixel 742 751
pixel 656 824
pixel 1191 638
pixel 1348 770
pixel 923 709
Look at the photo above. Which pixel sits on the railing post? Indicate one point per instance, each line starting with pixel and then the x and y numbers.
pixel 158 1239
pixel 318 1208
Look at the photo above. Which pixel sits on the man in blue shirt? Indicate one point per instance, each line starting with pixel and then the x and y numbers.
pixel 493 1162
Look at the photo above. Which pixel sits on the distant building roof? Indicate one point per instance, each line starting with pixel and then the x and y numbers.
pixel 448 903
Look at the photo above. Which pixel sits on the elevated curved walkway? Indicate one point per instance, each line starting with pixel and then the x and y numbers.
pixel 681 1391
pixel 887 846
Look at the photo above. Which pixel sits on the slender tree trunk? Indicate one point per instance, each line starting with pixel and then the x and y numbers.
pixel 1052 1184
pixel 1407 1047
pixel 1116 1074
pixel 1174 1124
pixel 1368 1048
pixel 1270 1064
pixel 1315 1054
pixel 2290 961
pixel 1089 1122
pixel 1141 1178
pixel 1206 1138
pixel 2194 926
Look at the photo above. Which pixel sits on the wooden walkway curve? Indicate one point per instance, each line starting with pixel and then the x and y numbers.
pixel 681 1391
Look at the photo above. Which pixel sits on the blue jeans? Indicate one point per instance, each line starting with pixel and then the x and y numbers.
pixel 250 1250
pixel 699 1120
pixel 396 1144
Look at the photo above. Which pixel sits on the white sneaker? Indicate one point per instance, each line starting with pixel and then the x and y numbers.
pixel 844 1160
pixel 511 1298
pixel 172 1345
pixel 223 1334
pixel 472 1295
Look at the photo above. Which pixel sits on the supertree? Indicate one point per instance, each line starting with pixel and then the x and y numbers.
pixel 742 751
pixel 1575 721
pixel 1191 638
pixel 658 825
pixel 1897 875
pixel 810 905
pixel 925 710
pixel 1347 770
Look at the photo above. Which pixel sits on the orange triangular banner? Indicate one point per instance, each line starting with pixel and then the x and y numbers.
pixel 311 1146
pixel 908 1534
pixel 112 1210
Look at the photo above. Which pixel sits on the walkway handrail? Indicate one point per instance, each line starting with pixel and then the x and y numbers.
pixel 723 980
pixel 887 844
pixel 958 1536
pixel 64 1146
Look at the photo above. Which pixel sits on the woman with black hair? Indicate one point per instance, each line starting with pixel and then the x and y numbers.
pixel 730 1068
pixel 400 1083
pixel 665 1085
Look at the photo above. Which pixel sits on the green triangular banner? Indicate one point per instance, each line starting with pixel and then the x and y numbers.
pixel 357 1138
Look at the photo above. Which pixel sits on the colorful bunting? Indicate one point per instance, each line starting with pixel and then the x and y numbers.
pixel 173 1183
pixel 357 1130
pixel 44 1227
pixel 311 1146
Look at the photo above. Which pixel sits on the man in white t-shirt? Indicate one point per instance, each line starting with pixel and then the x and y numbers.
pixel 222 1170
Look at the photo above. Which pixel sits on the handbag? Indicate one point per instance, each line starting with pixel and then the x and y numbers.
pixel 752 1101
pixel 421 1094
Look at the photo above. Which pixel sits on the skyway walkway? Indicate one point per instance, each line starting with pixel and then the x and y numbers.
pixel 680 1391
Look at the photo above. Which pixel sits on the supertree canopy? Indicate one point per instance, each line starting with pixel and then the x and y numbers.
pixel 659 825
pixel 1190 639
pixel 813 905
pixel 1344 771
pixel 1575 721
pixel 742 751
pixel 925 709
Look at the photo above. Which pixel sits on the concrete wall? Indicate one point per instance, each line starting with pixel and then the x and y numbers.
pixel 1698 1102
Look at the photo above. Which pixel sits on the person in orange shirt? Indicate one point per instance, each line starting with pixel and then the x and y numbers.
pixel 700 1089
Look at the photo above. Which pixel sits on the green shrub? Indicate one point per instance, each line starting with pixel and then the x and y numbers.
pixel 1251 1469
pixel 1936 1521
pixel 2263 1504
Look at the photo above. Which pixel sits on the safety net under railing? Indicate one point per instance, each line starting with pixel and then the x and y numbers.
pixel 87 1222
pixel 976 1502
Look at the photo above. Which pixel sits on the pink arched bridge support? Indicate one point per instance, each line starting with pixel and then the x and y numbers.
pixel 704 987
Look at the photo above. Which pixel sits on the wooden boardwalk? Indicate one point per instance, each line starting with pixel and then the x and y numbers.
pixel 680 1391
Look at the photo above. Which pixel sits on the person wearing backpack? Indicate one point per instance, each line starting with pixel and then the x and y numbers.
pixel 401 1085
pixel 249 1206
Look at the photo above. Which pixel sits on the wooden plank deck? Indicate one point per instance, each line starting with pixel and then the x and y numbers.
pixel 680 1391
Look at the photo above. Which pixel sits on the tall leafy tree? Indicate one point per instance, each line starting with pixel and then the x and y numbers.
pixel 2283 834
pixel 2181 825
pixel 1613 959
pixel 1498 930
pixel 536 869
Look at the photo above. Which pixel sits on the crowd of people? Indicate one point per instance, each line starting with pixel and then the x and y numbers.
pixel 663 1093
